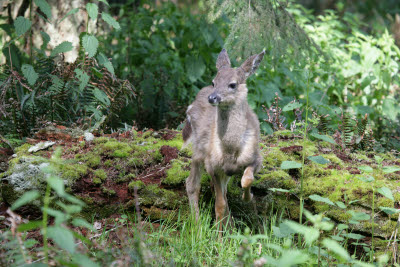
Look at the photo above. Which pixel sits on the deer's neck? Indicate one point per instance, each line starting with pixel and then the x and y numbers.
pixel 231 125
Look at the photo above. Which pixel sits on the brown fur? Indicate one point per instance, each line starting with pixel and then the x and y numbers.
pixel 225 137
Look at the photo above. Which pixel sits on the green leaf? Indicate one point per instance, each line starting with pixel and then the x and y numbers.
pixel 57 184
pixel 279 190
pixel 318 159
pixel 390 169
pixel 110 20
pixel 26 198
pixel 310 234
pixel 79 222
pixel 71 12
pixel 103 60
pixel 336 248
pixel 386 192
pixel 44 7
pixel 366 179
pixel 45 38
pixel 92 10
pixel 342 226
pixel 62 48
pixel 323 138
pixel 22 25
pixel 90 43
pixel 195 68
pixel 340 204
pixel 321 199
pixel 83 78
pixel 353 236
pixel 59 216
pixel 290 165
pixel 389 211
pixel 29 73
pixel 365 168
pixel 101 97
pixel 62 237
pixel 358 216
pixel 105 2
pixel 83 260
pixel 29 226
pixel 291 106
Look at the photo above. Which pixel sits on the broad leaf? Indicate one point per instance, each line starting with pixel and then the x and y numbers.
pixel 386 192
pixel 353 236
pixel 79 222
pixel 321 199
pixel 366 179
pixel 291 106
pixel 71 12
pixel 105 2
pixel 365 168
pixel 83 260
pixel 45 38
pixel 62 237
pixel 101 97
pixel 324 138
pixel 310 234
pixel 29 226
pixel 290 165
pixel 92 10
pixel 22 25
pixel 389 211
pixel 29 73
pixel 318 159
pixel 110 20
pixel 336 248
pixel 103 60
pixel 391 169
pixel 195 68
pixel 358 216
pixel 44 7
pixel 57 184
pixel 62 48
pixel 340 204
pixel 90 44
pixel 279 190
pixel 26 198
pixel 83 78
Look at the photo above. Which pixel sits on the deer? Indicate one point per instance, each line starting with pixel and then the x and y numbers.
pixel 225 135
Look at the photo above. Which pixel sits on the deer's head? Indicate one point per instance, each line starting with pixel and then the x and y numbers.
pixel 230 83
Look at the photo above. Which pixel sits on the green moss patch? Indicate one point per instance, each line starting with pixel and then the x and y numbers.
pixel 177 174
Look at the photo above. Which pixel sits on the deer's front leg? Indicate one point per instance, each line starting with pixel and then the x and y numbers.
pixel 193 187
pixel 247 180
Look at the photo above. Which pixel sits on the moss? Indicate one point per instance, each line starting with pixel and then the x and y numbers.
pixel 117 149
pixel 135 162
pixel 101 140
pixel 284 133
pixel 99 176
pixel 316 170
pixel 72 172
pixel 360 156
pixel 82 144
pixel 333 159
pixel 276 179
pixel 388 227
pixel 154 213
pixel 275 157
pixel 121 153
pixel 177 173
pixel 139 185
pixel 22 149
pixel 159 197
pixel 383 202
pixel 108 191
pixel 338 215
pixel 94 161
pixel 108 163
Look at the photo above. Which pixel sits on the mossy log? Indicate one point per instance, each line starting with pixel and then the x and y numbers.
pixel 104 172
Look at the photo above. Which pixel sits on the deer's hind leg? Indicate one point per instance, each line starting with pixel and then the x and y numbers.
pixel 193 186
pixel 246 182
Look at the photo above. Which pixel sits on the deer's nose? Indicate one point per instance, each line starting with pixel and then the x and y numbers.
pixel 214 99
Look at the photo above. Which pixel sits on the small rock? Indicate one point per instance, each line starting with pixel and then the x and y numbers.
pixel 41 146
pixel 89 137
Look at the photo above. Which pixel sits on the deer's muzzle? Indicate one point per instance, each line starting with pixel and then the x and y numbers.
pixel 214 99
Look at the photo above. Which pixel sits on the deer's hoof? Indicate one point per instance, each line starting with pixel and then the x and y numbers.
pixel 247 197
pixel 247 181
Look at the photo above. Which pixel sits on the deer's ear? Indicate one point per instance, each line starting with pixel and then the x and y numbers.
pixel 251 64
pixel 223 60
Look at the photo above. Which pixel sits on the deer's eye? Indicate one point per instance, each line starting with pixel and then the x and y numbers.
pixel 213 85
pixel 232 86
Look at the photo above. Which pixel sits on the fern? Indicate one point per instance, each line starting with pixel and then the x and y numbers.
pixel 29 73
pixel 83 78
pixel 324 121
pixel 44 7
pixel 110 20
pixel 347 129
pixel 22 25
pixel 90 44
pixel 62 48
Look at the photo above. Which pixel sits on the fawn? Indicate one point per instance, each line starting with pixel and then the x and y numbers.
pixel 225 134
